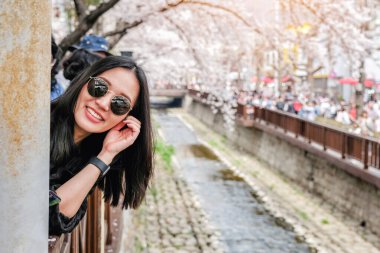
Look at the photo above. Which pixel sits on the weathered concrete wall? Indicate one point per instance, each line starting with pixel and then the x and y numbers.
pixel 24 130
pixel 359 199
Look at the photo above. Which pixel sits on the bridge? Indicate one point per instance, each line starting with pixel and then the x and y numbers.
pixel 168 93
pixel 167 98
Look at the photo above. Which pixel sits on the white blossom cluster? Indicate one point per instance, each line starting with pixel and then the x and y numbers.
pixel 337 30
pixel 223 101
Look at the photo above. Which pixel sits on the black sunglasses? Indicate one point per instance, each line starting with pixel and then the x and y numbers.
pixel 98 87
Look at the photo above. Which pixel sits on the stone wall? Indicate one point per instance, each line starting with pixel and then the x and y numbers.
pixel 351 195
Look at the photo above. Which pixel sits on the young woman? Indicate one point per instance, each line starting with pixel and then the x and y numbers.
pixel 100 136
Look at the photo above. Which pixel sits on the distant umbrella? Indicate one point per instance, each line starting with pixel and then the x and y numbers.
pixel 348 80
pixel 369 83
pixel 267 79
pixel 286 79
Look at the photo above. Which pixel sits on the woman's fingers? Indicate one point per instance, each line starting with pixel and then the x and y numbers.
pixel 118 138
pixel 119 126
pixel 133 126
pixel 131 118
pixel 132 123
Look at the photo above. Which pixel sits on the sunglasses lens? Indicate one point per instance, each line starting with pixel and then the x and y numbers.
pixel 97 87
pixel 120 105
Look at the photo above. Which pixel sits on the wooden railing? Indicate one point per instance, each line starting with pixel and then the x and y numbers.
pixel 363 149
pixel 97 230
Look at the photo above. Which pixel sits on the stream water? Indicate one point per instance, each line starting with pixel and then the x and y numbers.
pixel 242 221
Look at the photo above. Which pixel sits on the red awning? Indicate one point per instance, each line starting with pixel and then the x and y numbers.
pixel 369 83
pixel 267 79
pixel 348 80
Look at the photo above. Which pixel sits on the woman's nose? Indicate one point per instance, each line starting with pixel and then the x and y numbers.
pixel 104 101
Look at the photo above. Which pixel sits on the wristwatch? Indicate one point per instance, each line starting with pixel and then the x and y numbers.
pixel 100 165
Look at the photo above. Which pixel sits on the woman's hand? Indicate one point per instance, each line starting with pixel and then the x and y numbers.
pixel 118 140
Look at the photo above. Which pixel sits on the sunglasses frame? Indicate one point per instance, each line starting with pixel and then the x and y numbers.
pixel 107 85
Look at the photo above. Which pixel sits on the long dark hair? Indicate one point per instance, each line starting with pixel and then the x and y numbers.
pixel 134 163
pixel 78 61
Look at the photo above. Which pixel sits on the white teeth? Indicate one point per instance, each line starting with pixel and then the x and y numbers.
pixel 94 114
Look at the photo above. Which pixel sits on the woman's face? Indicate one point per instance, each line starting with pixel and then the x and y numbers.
pixel 94 115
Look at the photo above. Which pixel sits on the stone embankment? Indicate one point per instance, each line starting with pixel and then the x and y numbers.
pixel 170 220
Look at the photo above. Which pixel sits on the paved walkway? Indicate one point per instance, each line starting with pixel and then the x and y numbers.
pixel 170 221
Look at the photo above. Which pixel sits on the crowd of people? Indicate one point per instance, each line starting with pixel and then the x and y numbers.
pixel 363 121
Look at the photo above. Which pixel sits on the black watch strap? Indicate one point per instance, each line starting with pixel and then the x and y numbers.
pixel 100 165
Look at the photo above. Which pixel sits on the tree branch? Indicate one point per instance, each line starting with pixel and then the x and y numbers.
pixel 120 33
pixel 123 30
pixel 316 70
pixel 85 24
pixel 80 9
pixel 322 20
pixel 223 8
pixel 186 39
pixel 125 27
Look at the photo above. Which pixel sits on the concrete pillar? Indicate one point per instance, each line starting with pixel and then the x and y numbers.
pixel 25 55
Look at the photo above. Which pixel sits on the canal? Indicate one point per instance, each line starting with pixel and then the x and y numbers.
pixel 228 201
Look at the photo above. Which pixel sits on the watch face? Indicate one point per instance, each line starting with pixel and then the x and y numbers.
pixel 53 198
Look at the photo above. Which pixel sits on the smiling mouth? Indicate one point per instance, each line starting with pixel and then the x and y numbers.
pixel 94 114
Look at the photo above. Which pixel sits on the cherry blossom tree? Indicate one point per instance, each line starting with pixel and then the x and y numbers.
pixel 335 30
pixel 180 41
pixel 220 45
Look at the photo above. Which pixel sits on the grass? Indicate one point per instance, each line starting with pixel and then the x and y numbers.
pixel 325 221
pixel 213 143
pixel 218 144
pixel 303 215
pixel 237 163
pixel 139 247
pixel 154 192
pixel 165 151
pixel 224 139
pixel 255 174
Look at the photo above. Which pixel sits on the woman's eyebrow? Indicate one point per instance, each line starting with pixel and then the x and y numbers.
pixel 110 84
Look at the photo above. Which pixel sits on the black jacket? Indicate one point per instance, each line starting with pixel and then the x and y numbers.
pixel 58 223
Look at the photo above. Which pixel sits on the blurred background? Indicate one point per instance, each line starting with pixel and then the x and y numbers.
pixel 324 52
pixel 267 121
